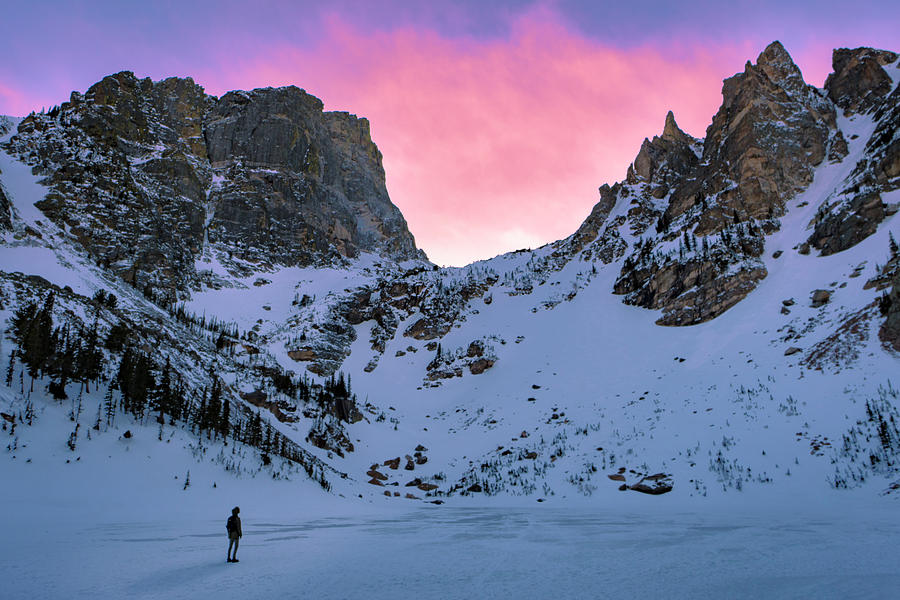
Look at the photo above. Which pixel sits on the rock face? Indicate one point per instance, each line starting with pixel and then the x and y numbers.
pixel 858 81
pixel 5 212
pixel 5 208
pixel 305 177
pixel 151 176
pixel 664 161
pixel 861 85
pixel 660 483
pixel 770 132
pixel 717 198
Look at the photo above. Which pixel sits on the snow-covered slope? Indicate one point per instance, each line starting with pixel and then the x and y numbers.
pixel 536 376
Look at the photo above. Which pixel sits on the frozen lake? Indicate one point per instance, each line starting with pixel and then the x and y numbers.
pixel 453 552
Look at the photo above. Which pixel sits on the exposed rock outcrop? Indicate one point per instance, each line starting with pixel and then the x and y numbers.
pixel 761 148
pixel 666 160
pixel 860 84
pixel 858 81
pixel 151 176
pixel 722 195
pixel 5 212
pixel 660 483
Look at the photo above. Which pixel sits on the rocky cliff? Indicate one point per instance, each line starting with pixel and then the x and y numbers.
pixel 152 177
pixel 863 84
pixel 714 201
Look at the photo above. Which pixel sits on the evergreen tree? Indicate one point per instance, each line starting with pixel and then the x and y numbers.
pixel 117 336
pixel 183 405
pixel 90 357
pixel 109 403
pixel 213 410
pixel 60 367
pixel 200 415
pixel 99 417
pixel 225 419
pixel 254 433
pixel 22 321
pixel 164 397
pixel 12 367
pixel 33 331
pixel 267 444
pixel 126 366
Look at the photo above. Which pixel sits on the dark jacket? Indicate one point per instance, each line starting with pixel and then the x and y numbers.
pixel 234 526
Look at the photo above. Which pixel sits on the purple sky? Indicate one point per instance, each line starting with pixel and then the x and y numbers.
pixel 497 124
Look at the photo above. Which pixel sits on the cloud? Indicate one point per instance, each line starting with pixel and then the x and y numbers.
pixel 483 138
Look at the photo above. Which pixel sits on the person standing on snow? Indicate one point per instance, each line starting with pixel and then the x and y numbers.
pixel 233 526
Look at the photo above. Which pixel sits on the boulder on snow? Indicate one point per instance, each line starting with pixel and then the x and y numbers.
pixel 820 298
pixel 792 350
pixel 616 477
pixel 480 366
pixel 474 488
pixel 657 484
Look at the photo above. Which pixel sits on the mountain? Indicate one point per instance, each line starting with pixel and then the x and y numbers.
pixel 150 177
pixel 726 319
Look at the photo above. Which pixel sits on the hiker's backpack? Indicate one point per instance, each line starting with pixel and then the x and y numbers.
pixel 229 524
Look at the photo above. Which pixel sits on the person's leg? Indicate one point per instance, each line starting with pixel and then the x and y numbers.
pixel 237 541
pixel 231 542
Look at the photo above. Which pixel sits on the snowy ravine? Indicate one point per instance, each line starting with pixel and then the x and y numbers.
pixel 503 418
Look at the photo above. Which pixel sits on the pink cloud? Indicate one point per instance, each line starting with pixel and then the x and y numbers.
pixel 14 102
pixel 490 142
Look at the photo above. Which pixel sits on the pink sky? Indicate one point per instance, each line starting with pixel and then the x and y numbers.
pixel 491 146
pixel 490 142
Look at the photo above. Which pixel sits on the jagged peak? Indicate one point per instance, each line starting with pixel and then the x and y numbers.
pixel 778 66
pixel 774 53
pixel 671 130
pixel 841 56
pixel 859 79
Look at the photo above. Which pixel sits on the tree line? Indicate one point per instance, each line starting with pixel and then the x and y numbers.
pixel 145 387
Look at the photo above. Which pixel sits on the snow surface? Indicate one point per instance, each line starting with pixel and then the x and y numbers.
pixel 112 520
